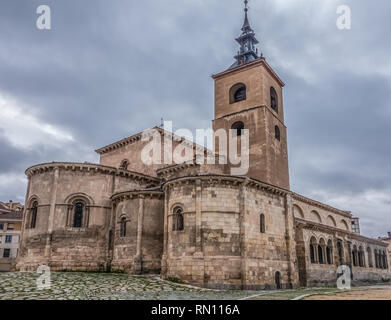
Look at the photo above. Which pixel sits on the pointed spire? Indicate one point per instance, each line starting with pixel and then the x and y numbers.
pixel 246 24
pixel 248 51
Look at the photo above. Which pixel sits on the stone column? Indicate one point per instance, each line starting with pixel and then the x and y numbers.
pixel 198 217
pixel 242 230
pixel 290 242
pixel 111 228
pixel 165 235
pixel 198 263
pixel 52 212
pixel 138 258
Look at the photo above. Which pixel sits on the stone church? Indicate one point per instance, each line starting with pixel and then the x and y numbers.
pixel 198 223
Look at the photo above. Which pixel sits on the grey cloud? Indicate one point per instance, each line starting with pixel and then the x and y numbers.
pixel 109 69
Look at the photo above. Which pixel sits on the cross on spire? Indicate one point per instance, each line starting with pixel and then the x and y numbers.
pixel 247 41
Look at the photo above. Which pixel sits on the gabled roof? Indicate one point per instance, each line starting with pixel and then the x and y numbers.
pixel 137 137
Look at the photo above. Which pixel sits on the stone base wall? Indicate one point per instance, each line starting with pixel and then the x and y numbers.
pixel 370 275
pixel 208 272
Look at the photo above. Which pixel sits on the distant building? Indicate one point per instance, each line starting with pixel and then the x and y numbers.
pixel 10 226
pixel 356 225
pixel 387 239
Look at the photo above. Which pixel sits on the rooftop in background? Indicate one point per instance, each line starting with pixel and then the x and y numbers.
pixel 13 215
pixel 388 238
pixel 10 207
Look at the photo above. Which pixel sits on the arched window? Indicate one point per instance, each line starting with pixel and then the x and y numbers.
pixel 122 231
pixel 178 224
pixel 124 165
pixel 273 99
pixel 361 257
pixel 320 254
pixel 237 93
pixel 383 260
pixel 376 259
pixel 78 215
pixel 312 253
pixel 355 258
pixel 262 223
pixel 277 133
pixel 321 251
pixel 34 212
pixel 313 250
pixel 329 252
pixel 238 128
pixel 340 251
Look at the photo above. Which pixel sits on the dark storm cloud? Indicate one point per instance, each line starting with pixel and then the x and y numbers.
pixel 108 69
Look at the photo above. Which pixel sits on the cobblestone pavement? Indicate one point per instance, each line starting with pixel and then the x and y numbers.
pixel 111 286
pixel 104 286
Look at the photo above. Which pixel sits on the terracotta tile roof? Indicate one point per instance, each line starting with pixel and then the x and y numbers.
pixel 14 215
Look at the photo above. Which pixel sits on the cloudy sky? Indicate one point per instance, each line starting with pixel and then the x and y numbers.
pixel 108 69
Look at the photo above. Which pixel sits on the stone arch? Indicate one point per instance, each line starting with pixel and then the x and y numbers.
pixel 315 216
pixel 32 199
pixel 175 205
pixel 344 225
pixel 82 196
pixel 331 221
pixel 298 212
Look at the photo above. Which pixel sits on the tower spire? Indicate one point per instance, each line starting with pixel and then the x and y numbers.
pixel 247 41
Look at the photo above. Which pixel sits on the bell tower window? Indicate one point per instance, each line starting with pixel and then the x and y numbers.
pixel 273 99
pixel 237 93
pixel 277 133
pixel 238 128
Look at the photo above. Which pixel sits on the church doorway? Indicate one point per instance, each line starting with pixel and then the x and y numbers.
pixel 278 279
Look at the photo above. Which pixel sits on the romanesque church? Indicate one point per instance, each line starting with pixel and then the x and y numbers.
pixel 198 223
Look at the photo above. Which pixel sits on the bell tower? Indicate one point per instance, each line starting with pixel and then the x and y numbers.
pixel 249 95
